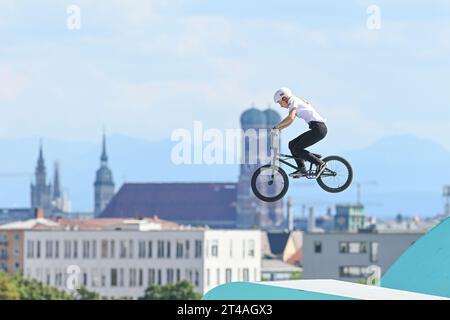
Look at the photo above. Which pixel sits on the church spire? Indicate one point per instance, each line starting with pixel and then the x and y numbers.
pixel 40 163
pixel 104 157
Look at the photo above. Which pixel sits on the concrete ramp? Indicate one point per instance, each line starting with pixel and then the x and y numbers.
pixel 310 290
pixel 425 266
pixel 421 273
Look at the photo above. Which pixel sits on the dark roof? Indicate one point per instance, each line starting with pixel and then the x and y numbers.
pixel 277 241
pixel 175 201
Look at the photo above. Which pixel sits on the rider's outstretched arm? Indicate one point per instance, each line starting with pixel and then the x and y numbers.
pixel 286 122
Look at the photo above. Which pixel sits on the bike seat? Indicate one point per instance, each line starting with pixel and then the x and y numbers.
pixel 316 155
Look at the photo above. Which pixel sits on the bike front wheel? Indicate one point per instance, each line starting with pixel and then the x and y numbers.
pixel 269 183
pixel 337 176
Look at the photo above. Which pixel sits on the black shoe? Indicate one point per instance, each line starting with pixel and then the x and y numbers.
pixel 299 173
pixel 321 168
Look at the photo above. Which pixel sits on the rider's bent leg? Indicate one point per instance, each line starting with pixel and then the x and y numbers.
pixel 317 132
pixel 292 143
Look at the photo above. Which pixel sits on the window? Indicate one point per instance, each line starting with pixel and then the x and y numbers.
pixel 228 275
pixel 132 277
pixel 38 249
pixel 169 276
pixel 48 249
pixel 251 248
pixel 17 237
pixel 30 252
pixel 86 247
pixel 198 248
pixel 123 249
pixel 150 249
pixel 352 271
pixel 121 277
pixel 67 249
pixel 218 276
pixel 141 249
pixel 207 277
pixel 112 249
pixel 75 249
pixel 159 280
pixel 3 253
pixel 178 275
pixel 231 248
pixel 245 274
pixel 353 247
pixel 317 247
pixel 56 248
pixel 130 249
pixel 168 249
pixel 160 252
pixel 214 248
pixel 187 248
pixel 151 276
pixel 104 249
pixel 94 249
pixel 179 249
pixel 373 251
pixel 141 277
pixel 197 278
pixel 85 279
pixel 113 277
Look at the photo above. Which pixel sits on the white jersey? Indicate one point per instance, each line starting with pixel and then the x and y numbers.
pixel 305 110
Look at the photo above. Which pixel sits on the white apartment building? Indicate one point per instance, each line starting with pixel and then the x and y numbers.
pixel 120 258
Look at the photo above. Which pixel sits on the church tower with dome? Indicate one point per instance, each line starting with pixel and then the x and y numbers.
pixel 104 184
pixel 252 212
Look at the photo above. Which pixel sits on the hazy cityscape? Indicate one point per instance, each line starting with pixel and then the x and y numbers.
pixel 119 177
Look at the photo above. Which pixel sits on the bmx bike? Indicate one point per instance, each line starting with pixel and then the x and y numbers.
pixel 270 182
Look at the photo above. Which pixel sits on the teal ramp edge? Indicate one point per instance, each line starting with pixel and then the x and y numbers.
pixel 425 266
pixel 255 291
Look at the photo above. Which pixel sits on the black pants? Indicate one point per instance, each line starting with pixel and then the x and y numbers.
pixel 318 131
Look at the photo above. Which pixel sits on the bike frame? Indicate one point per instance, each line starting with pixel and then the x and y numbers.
pixel 283 157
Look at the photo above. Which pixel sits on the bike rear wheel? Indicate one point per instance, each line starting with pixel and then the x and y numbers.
pixel 269 183
pixel 337 176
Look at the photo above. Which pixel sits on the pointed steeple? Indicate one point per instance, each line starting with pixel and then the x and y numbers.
pixel 104 157
pixel 40 163
pixel 40 173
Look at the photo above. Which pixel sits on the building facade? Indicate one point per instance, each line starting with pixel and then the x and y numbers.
pixel 121 258
pixel 347 256
pixel 349 218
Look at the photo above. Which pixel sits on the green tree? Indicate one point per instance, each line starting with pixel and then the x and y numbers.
pixel 297 275
pixel 84 294
pixel 31 289
pixel 180 291
pixel 8 288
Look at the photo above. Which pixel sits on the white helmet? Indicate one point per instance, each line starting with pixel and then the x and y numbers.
pixel 281 93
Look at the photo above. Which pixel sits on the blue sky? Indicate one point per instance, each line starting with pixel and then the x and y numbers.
pixel 145 68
